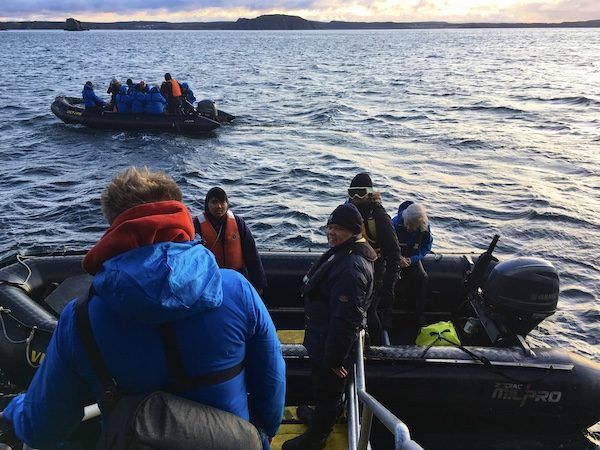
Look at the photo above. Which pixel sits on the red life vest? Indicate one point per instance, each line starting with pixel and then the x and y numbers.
pixel 227 249
pixel 175 89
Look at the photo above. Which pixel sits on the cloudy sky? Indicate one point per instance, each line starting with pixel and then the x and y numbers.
pixel 325 10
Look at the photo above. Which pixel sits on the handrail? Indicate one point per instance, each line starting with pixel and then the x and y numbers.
pixel 357 393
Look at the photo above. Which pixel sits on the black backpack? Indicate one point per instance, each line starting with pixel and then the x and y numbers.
pixel 161 419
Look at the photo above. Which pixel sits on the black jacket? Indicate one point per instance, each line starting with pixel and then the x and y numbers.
pixel 336 294
pixel 387 266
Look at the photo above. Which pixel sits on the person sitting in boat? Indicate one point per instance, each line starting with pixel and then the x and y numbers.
pixel 415 239
pixel 149 271
pixel 155 102
pixel 130 86
pixel 138 101
pixel 379 232
pixel 336 295
pixel 91 101
pixel 142 87
pixel 123 100
pixel 113 90
pixel 188 98
pixel 171 90
pixel 229 238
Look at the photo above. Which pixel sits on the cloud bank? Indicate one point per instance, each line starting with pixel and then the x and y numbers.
pixel 325 10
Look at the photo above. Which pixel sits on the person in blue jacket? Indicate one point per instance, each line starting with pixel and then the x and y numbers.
pixel 155 102
pixel 148 271
pixel 188 99
pixel 91 101
pixel 123 100
pixel 187 93
pixel 415 239
pixel 130 86
pixel 138 99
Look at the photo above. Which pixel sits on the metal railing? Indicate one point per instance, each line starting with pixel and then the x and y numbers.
pixel 359 430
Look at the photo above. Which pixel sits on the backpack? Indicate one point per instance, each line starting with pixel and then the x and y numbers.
pixel 162 419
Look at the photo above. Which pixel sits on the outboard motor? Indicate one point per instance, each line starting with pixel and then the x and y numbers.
pixel 522 292
pixel 208 108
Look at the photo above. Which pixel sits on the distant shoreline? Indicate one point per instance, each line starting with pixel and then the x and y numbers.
pixel 285 22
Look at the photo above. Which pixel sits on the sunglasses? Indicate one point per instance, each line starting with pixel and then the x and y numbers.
pixel 360 192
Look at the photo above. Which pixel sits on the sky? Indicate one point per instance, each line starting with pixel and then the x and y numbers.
pixel 323 10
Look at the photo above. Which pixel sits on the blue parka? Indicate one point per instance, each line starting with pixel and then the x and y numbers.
pixel 413 244
pixel 219 321
pixel 90 98
pixel 138 104
pixel 155 102
pixel 189 95
pixel 123 100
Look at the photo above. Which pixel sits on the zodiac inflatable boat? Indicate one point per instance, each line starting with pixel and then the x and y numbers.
pixel 493 381
pixel 206 118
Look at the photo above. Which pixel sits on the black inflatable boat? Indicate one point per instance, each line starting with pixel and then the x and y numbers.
pixel 71 110
pixel 494 382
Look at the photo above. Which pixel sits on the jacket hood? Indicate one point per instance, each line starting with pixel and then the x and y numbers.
pixel 154 90
pixel 87 87
pixel 161 283
pixel 184 86
pixel 403 206
pixel 123 90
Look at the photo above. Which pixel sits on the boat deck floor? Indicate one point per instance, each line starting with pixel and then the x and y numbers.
pixel 291 425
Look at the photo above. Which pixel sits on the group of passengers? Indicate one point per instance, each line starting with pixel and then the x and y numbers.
pixel 157 265
pixel 170 97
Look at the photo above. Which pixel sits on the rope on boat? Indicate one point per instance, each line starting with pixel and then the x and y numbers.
pixel 22 284
pixel 486 363
pixel 28 340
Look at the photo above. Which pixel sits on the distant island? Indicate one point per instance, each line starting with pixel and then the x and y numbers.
pixel 74 25
pixel 277 22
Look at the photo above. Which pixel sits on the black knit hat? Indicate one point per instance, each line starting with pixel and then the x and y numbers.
pixel 361 180
pixel 348 217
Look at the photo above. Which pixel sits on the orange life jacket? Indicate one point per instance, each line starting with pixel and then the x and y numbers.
pixel 227 249
pixel 175 89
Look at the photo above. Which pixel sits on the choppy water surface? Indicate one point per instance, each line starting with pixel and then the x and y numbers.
pixel 494 130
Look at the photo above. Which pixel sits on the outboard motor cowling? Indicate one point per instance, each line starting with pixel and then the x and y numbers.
pixel 524 291
pixel 207 108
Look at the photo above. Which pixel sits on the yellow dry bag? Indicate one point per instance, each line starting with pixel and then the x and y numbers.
pixel 441 333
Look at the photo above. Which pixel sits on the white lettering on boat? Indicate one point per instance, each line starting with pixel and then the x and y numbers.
pixel 523 393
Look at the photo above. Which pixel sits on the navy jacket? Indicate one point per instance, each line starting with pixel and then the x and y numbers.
pixel 336 294
pixel 155 102
pixel 219 322
pixel 90 98
pixel 414 244
pixel 254 268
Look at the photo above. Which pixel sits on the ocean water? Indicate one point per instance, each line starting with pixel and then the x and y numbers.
pixel 495 131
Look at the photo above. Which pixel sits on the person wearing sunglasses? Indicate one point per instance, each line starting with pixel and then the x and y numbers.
pixel 379 232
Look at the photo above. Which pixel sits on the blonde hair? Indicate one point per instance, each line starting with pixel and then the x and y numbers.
pixel 134 187
pixel 416 216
